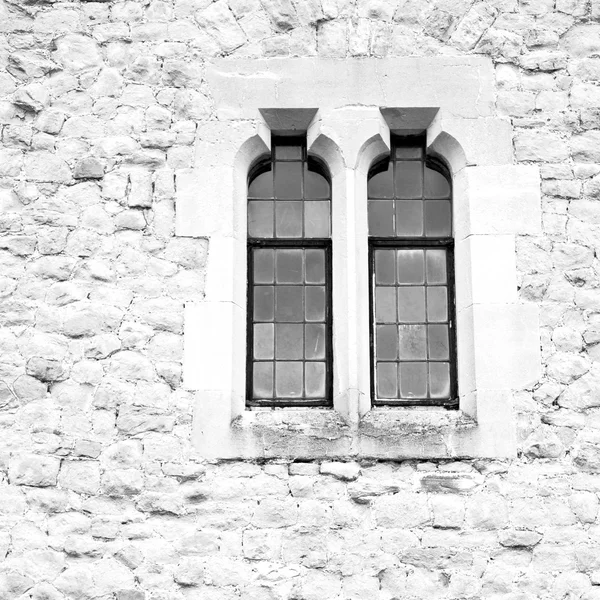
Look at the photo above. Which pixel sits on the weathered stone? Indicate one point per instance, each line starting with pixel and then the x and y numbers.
pixel 34 470
pixel 46 167
pixel 218 21
pixel 343 471
pixel 189 571
pixel 29 389
pixel 450 482
pixel 33 97
pixel 77 52
pixel 586 146
pixel 587 457
pixel 88 168
pixel 583 393
pixel 514 538
pixel 540 146
pixel 80 476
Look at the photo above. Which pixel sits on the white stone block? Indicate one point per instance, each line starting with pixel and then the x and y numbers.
pixel 226 271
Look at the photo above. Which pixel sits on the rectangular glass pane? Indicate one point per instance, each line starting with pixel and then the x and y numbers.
pixel 438 218
pixel 412 342
pixel 288 152
pixel 413 380
pixel 439 380
pixel 315 266
pixel 438 342
pixel 409 218
pixel 407 152
pixel 314 341
pixel 262 380
pixel 437 304
pixel 436 185
pixel 315 303
pixel 385 305
pixel 288 379
pixel 411 304
pixel 436 266
pixel 411 266
pixel 263 341
pixel 409 179
pixel 263 303
pixel 386 342
pixel 263 265
pixel 381 217
pixel 381 185
pixel 385 267
pixel 288 180
pixel 260 219
pixel 288 304
pixel 289 341
pixel 387 380
pixel 288 219
pixel 289 266
pixel 314 379
pixel 316 219
pixel 315 185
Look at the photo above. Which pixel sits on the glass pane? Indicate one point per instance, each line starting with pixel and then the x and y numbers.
pixel 315 303
pixel 386 342
pixel 314 341
pixel 315 266
pixel 288 152
pixel 387 380
pixel 385 266
pixel 260 219
pixel 315 379
pixel 437 304
pixel 436 266
pixel 413 380
pixel 438 342
pixel 409 152
pixel 288 219
pixel 263 341
pixel 411 304
pixel 411 267
pixel 409 217
pixel 381 185
pixel 288 379
pixel 262 380
pixel 288 304
pixel 263 266
pixel 288 180
pixel 288 266
pixel 412 342
pixel 436 185
pixel 438 219
pixel 261 186
pixel 409 179
pixel 263 303
pixel 439 380
pixel 289 341
pixel 381 217
pixel 385 305
pixel 315 185
pixel 316 219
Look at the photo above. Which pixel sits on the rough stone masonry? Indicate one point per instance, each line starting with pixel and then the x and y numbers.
pixel 101 492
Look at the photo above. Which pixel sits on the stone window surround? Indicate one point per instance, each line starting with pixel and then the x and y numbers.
pixel 494 200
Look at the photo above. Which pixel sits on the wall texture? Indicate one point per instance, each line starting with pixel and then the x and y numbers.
pixel 101 494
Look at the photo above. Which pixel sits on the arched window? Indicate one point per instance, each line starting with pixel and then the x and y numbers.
pixel 411 274
pixel 289 279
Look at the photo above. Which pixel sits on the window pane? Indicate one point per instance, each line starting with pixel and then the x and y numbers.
pixel 438 342
pixel 438 218
pixel 315 185
pixel 288 304
pixel 261 186
pixel 409 179
pixel 439 380
pixel 386 342
pixel 315 266
pixel 437 304
pixel 409 218
pixel 385 305
pixel 263 266
pixel 411 266
pixel 263 341
pixel 314 341
pixel 407 152
pixel 262 379
pixel 436 185
pixel 288 219
pixel 288 180
pixel 436 266
pixel 387 380
pixel 316 219
pixel 385 266
pixel 381 217
pixel 413 380
pixel 288 152
pixel 289 341
pixel 263 303
pixel 411 304
pixel 381 185
pixel 289 266
pixel 412 342
pixel 315 379
pixel 260 219
pixel 288 379
pixel 315 303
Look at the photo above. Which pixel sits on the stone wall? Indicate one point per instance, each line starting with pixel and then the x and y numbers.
pixel 101 492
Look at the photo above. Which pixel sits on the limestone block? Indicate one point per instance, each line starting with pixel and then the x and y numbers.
pixel 515 538
pixel 219 22
pixel 405 510
pixel 11 161
pixel 582 40
pixel 473 26
pixel 583 393
pixel 262 544
pixel 33 97
pixel 586 147
pixel 543 146
pixel 34 470
pixel 343 471
pixel 80 476
pixel 46 167
pixel 88 168
pixel 77 52
pixel 448 511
